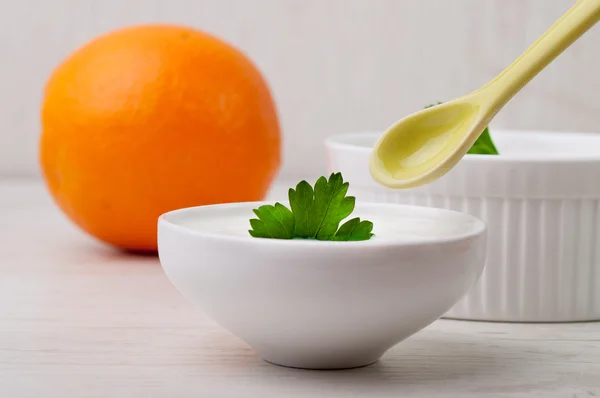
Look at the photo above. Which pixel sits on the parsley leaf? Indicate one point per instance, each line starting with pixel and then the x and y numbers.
pixel 275 222
pixel 301 202
pixel 330 206
pixel 316 213
pixel 354 230
pixel 483 145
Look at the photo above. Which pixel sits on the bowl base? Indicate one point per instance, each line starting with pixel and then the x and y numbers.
pixel 322 363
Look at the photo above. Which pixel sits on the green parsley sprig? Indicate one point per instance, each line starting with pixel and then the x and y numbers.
pixel 484 144
pixel 316 213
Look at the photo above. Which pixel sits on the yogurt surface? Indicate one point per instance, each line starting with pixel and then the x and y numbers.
pixel 390 222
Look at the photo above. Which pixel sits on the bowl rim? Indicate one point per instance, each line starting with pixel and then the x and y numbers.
pixel 336 142
pixel 479 228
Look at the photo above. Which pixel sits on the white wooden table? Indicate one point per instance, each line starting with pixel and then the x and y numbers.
pixel 80 320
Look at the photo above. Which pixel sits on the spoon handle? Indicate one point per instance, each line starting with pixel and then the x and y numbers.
pixel 572 25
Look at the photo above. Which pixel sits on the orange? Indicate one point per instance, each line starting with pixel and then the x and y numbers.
pixel 152 118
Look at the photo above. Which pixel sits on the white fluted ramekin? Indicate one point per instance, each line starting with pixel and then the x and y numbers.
pixel 541 201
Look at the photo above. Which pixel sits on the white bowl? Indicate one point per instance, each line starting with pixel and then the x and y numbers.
pixel 323 305
pixel 540 199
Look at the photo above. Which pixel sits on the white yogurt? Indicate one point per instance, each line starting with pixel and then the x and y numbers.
pixel 391 223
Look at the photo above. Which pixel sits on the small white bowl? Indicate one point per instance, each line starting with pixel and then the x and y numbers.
pixel 323 305
pixel 540 199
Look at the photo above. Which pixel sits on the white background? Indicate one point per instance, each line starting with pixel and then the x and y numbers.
pixel 333 65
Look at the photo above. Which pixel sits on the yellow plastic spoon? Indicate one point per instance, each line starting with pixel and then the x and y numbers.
pixel 423 146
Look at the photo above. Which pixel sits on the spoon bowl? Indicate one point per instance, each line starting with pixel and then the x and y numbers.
pixel 444 132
